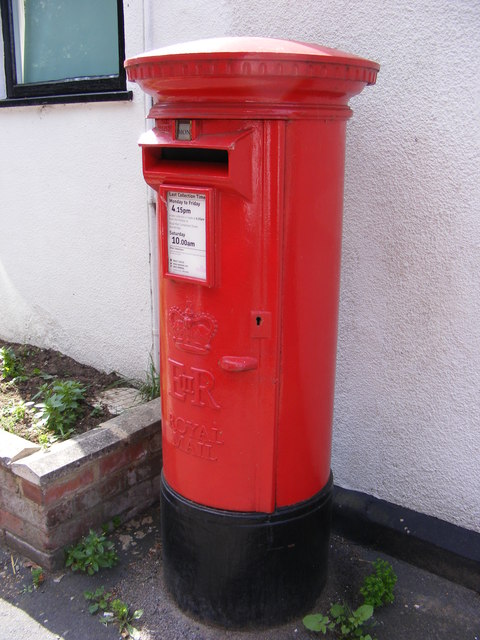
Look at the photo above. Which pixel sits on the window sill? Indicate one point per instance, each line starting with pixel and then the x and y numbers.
pixel 104 96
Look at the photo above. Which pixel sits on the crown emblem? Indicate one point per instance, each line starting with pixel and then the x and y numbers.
pixel 192 331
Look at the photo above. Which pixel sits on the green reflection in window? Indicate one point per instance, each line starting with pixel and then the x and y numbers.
pixel 63 39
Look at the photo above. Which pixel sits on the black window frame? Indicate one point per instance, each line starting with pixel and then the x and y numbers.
pixel 85 89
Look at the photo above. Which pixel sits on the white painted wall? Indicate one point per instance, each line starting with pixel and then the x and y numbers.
pixel 74 227
pixel 3 92
pixel 75 220
pixel 407 416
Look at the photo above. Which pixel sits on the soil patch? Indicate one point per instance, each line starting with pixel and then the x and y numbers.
pixel 44 366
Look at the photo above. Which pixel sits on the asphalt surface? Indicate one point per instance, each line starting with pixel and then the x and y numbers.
pixel 426 607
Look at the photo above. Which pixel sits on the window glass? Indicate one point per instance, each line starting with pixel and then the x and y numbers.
pixel 65 39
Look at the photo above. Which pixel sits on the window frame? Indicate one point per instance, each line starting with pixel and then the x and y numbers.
pixel 85 89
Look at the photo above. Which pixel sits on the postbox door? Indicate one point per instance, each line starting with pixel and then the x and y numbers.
pixel 220 324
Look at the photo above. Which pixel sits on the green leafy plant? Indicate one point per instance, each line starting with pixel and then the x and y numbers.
pixel 348 624
pixel 113 611
pixel 351 622
pixel 38 576
pixel 123 618
pixel 377 588
pixel 12 414
pixel 110 526
pixel 99 600
pixel 61 407
pixel 41 374
pixel 45 439
pixel 92 553
pixel 150 388
pixel 96 411
pixel 318 622
pixel 10 365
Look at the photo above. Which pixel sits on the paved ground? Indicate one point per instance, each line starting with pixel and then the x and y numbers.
pixel 426 607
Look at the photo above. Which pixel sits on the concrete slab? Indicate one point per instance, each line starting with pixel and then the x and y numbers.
pixel 13 448
pixel 120 399
pixel 15 623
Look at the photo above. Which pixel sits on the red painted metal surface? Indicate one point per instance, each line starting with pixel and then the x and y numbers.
pixel 248 329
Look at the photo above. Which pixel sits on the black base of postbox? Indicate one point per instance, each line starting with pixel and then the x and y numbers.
pixel 244 570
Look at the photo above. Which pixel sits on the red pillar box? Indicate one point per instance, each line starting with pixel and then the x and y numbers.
pixel 247 157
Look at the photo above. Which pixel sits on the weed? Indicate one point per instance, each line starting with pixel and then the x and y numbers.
pixel 45 439
pixel 114 523
pixel 92 553
pixel 114 611
pixel 61 407
pixel 12 414
pixel 96 411
pixel 38 576
pixel 377 588
pixel 123 618
pixel 318 622
pixel 28 588
pixel 150 389
pixel 348 624
pixel 41 374
pixel 99 599
pixel 10 366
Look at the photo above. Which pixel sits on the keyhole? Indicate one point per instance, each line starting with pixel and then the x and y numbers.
pixel 259 320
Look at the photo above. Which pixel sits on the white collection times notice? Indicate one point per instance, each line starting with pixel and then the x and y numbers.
pixel 187 234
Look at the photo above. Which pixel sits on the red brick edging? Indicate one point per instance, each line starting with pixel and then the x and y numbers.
pixel 49 499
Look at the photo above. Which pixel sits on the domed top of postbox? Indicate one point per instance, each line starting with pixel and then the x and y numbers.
pixel 249 71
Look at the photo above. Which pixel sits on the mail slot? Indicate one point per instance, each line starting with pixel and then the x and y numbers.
pixel 164 159
pixel 247 158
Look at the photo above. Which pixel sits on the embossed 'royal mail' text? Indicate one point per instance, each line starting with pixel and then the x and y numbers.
pixel 195 438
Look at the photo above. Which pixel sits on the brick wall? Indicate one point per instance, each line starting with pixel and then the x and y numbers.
pixel 50 499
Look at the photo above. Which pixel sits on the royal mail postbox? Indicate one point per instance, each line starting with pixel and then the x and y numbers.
pixel 247 158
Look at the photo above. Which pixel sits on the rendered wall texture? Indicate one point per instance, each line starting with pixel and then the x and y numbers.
pixel 407 411
pixel 74 228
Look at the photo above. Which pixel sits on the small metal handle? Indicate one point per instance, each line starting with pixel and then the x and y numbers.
pixel 238 363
